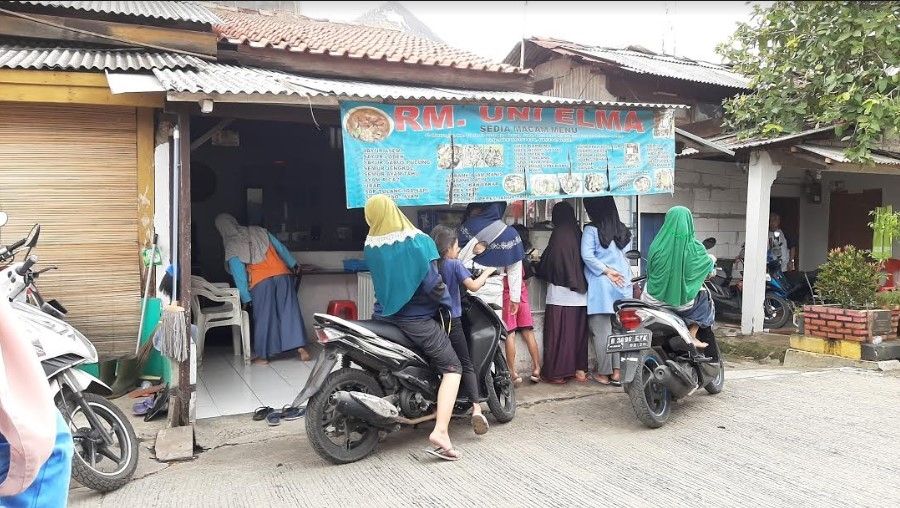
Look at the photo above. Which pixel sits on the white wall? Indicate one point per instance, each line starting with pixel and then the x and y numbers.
pixel 717 194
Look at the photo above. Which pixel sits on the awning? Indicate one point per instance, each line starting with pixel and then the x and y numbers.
pixel 238 84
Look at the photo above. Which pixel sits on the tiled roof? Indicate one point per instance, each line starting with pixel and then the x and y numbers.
pixel 223 79
pixel 306 35
pixel 642 61
pixel 80 59
pixel 169 11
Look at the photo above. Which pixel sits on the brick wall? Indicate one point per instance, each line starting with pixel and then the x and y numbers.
pixel 717 194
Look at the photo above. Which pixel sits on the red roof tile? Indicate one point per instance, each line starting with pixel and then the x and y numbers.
pixel 306 35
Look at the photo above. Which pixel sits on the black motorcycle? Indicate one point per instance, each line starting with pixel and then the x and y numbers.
pixel 384 381
pixel 659 361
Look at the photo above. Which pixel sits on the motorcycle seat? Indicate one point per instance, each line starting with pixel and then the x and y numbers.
pixel 387 331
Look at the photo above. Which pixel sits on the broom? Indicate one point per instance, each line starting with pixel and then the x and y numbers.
pixel 174 339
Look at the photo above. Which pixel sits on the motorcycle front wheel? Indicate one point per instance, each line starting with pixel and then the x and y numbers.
pixel 651 400
pixel 338 438
pixel 95 464
pixel 776 311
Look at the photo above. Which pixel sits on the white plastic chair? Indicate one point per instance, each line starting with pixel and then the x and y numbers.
pixel 227 313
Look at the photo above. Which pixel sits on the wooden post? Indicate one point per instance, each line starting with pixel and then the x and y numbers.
pixel 762 173
pixel 180 406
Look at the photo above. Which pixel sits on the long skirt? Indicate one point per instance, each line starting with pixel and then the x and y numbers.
pixel 565 341
pixel 278 325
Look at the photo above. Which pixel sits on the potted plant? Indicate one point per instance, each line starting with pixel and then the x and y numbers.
pixel 848 283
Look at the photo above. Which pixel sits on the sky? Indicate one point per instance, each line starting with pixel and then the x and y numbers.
pixel 491 29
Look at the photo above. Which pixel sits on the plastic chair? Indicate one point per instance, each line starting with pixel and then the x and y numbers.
pixel 227 313
pixel 344 309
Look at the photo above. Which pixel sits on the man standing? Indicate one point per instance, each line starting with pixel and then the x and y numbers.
pixel 778 244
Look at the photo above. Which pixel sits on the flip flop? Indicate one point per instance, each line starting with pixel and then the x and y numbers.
pixel 442 454
pixel 274 418
pixel 261 413
pixel 291 413
pixel 480 424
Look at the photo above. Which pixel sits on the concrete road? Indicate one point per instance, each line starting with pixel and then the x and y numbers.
pixel 772 438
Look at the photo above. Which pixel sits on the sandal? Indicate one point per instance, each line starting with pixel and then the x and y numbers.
pixel 443 454
pixel 480 424
pixel 262 412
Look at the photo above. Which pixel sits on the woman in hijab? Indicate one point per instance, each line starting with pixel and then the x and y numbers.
pixel 264 272
pixel 409 293
pixel 677 266
pixel 488 242
pixel 607 270
pixel 565 317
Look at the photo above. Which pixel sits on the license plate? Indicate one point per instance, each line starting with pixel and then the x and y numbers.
pixel 628 342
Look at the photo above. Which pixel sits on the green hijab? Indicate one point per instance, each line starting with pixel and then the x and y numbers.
pixel 677 263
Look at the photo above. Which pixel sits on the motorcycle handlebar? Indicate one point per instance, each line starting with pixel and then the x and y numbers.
pixel 22 270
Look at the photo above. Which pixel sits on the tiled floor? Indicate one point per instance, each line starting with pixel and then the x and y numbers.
pixel 226 386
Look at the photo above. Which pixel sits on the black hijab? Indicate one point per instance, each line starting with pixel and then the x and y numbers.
pixel 605 217
pixel 561 263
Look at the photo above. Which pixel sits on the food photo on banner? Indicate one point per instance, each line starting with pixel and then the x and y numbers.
pixel 447 154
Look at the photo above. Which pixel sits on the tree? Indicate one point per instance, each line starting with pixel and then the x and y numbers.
pixel 815 64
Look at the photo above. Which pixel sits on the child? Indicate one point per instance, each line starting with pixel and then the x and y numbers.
pixel 455 275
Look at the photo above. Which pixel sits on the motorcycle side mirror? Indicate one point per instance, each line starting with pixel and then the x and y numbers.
pixel 709 243
pixel 4 218
pixel 633 254
pixel 33 235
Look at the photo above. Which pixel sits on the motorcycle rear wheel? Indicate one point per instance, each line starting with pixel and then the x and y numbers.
pixel 501 393
pixel 90 451
pixel 651 400
pixel 323 423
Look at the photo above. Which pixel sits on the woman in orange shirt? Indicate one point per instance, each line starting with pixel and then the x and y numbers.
pixel 263 270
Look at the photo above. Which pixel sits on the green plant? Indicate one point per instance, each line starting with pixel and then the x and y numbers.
pixel 849 278
pixel 886 226
pixel 818 63
pixel 888 299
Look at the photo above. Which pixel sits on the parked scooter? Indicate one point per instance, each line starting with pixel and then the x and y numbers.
pixel 106 448
pixel 384 382
pixel 728 299
pixel 659 361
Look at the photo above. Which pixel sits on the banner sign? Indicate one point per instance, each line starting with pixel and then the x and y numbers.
pixel 444 154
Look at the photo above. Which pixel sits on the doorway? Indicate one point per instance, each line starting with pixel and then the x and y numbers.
pixel 789 211
pixel 848 221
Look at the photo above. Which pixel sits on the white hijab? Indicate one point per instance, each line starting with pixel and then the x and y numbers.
pixel 249 244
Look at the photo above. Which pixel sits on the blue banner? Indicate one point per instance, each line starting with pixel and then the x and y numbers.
pixel 444 154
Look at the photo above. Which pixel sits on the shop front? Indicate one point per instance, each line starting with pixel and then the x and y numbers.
pixel 299 156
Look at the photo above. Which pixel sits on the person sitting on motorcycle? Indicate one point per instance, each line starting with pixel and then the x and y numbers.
pixel 677 267
pixel 455 274
pixel 410 294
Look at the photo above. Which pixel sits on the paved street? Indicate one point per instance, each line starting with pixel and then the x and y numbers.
pixel 773 438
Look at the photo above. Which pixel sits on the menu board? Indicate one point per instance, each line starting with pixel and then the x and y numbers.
pixel 445 154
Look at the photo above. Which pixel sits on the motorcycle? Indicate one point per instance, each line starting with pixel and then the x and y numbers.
pixel 728 299
pixel 659 361
pixel 106 448
pixel 383 382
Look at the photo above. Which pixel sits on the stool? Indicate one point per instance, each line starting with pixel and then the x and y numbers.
pixel 344 309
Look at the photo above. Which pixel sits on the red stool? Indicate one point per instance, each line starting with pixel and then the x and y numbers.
pixel 344 309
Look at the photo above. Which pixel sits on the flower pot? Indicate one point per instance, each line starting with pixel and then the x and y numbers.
pixel 831 322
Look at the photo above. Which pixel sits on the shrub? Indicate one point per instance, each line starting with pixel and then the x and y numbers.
pixel 850 278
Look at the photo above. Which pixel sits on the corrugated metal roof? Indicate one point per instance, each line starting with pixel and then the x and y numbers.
pixel 214 78
pixel 732 141
pixel 836 154
pixel 170 11
pixel 80 59
pixel 647 62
